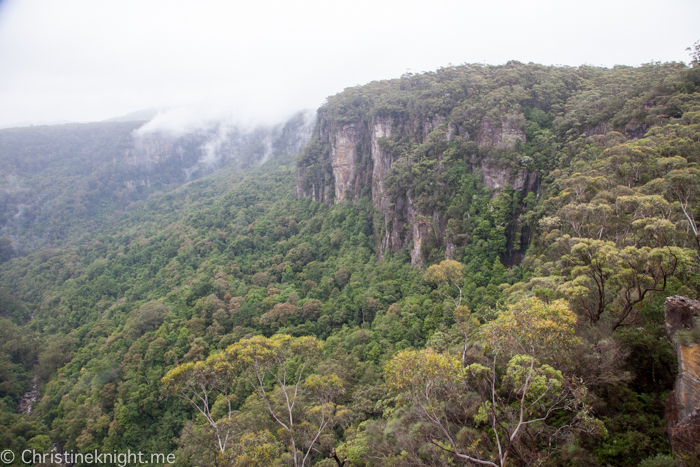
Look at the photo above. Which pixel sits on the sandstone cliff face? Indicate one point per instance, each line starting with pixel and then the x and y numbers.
pixel 404 224
pixel 496 177
pixel 504 134
pixel 318 192
pixel 343 154
pixel 404 211
pixel 153 149
pixel 683 404
pixel 381 163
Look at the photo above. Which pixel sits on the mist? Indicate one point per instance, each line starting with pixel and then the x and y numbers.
pixel 220 134
pixel 80 60
pixel 180 120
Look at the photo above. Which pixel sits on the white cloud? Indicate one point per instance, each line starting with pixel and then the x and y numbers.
pixel 85 60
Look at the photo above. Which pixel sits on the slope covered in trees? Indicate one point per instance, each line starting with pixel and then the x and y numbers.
pixel 60 182
pixel 531 335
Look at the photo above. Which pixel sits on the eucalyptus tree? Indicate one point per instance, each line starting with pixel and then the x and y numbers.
pixel 279 370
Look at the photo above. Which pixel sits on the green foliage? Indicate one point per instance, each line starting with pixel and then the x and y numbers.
pixel 61 182
pixel 274 369
pixel 660 460
pixel 231 286
pixel 533 327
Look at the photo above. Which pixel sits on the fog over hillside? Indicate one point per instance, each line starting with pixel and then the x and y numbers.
pixel 61 181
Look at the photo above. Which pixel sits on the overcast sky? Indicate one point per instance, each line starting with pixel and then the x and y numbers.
pixel 89 60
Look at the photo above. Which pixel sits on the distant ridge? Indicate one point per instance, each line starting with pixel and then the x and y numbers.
pixel 146 114
pixel 139 115
pixel 28 123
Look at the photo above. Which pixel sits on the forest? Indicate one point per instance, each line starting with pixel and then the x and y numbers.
pixel 61 182
pixel 258 315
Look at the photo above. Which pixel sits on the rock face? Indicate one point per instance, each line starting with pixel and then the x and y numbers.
pixel 683 404
pixel 153 149
pixel 343 154
pixel 28 399
pixel 355 159
pixel 600 129
pixel 496 177
pixel 504 134
pixel 381 162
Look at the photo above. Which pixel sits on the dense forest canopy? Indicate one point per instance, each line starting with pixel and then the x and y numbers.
pixel 237 320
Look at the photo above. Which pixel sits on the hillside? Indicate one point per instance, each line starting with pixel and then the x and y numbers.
pixel 60 182
pixel 466 265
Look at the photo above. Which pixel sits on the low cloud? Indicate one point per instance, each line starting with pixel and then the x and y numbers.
pixel 219 133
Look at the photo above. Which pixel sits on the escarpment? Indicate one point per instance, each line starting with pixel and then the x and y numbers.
pixel 683 404
pixel 155 149
pixel 344 146
pixel 413 144
pixel 360 157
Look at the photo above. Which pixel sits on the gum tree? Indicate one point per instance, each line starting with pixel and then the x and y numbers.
pixel 279 371
pixel 487 413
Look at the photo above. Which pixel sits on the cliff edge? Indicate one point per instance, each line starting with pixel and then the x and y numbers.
pixel 683 404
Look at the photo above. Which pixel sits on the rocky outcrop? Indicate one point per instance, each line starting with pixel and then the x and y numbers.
pixel 357 159
pixel 504 134
pixel 343 154
pixel 635 130
pixel 496 177
pixel 420 229
pixel 153 149
pixel 28 399
pixel 600 129
pixel 683 404
pixel 425 126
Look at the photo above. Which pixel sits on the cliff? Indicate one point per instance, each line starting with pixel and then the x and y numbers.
pixel 408 144
pixel 683 405
pixel 359 159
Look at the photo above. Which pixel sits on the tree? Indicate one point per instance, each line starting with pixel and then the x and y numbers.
pixel 200 385
pixel 533 327
pixel 642 273
pixel 603 277
pixel 466 324
pixel 591 265
pixel 448 278
pixel 256 450
pixel 455 403
pixel 301 404
pixel 684 185
pixel 694 54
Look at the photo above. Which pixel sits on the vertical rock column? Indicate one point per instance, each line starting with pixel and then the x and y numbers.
pixel 343 154
pixel 683 404
pixel 381 163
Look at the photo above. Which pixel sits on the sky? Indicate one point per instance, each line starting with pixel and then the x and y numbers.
pixel 261 60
